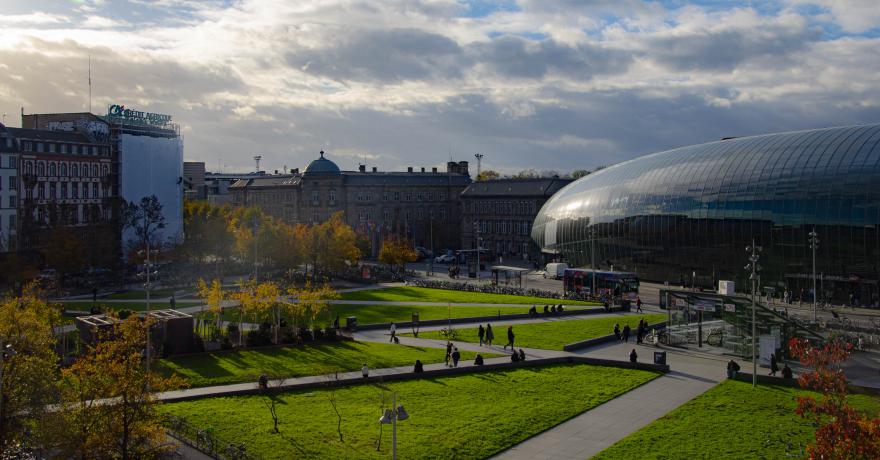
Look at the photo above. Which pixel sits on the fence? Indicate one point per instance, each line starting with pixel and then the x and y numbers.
pixel 206 441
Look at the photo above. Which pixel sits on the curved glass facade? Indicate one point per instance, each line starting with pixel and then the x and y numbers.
pixel 686 215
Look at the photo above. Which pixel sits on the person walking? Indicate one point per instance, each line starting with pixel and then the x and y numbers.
pixel 448 352
pixel 774 368
pixel 510 337
pixel 522 355
pixel 393 332
pixel 639 331
pixel 365 371
pixel 638 304
pixel 490 336
pixel 633 357
pixel 419 367
pixel 455 356
pixel 732 369
pixel 626 330
pixel 481 333
pixel 617 331
pixel 786 372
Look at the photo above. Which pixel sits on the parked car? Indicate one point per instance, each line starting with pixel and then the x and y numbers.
pixel 555 270
pixel 444 259
pixel 424 253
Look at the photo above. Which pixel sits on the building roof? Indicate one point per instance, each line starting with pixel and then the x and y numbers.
pixel 539 187
pixel 281 180
pixel 322 166
pixel 47 135
pixel 405 178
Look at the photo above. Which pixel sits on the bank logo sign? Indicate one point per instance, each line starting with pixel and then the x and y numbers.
pixel 136 116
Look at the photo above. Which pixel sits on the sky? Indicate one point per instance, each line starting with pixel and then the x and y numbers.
pixel 532 84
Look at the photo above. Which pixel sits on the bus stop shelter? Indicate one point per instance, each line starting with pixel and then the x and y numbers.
pixel 508 276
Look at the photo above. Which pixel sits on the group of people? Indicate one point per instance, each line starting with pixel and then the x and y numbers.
pixel 486 334
pixel 622 335
pixel 733 368
pixel 453 354
pixel 548 310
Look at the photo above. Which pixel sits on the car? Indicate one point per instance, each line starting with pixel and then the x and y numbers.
pixel 444 259
pixel 555 270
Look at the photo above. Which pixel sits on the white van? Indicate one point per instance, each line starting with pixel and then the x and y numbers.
pixel 555 270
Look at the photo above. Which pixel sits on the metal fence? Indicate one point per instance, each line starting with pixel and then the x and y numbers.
pixel 206 441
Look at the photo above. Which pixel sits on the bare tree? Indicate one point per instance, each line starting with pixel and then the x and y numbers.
pixel 270 389
pixel 331 396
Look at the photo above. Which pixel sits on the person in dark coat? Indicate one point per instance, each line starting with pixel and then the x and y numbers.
pixel 522 355
pixel 478 361
pixel 786 372
pixel 490 335
pixel 732 369
pixel 626 330
pixel 639 331
pixel 455 356
pixel 633 357
pixel 514 357
pixel 419 367
pixel 481 333
pixel 510 337
pixel 774 368
pixel 617 331
pixel 448 352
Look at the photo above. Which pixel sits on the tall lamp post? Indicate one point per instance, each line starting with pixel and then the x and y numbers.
pixel 256 229
pixel 392 416
pixel 814 245
pixel 754 268
pixel 593 261
pixel 148 273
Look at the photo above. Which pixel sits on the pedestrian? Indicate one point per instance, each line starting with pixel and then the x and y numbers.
pixel 419 367
pixel 481 333
pixel 365 371
pixel 172 301
pixel 786 372
pixel 732 369
pixel 393 332
pixel 774 368
pixel 448 352
pixel 633 357
pixel 638 304
pixel 522 355
pixel 514 357
pixel 617 331
pixel 490 336
pixel 639 331
pixel 626 330
pixel 455 356
pixel 336 322
pixel 478 361
pixel 509 337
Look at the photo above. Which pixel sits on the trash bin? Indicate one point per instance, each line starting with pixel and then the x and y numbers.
pixel 351 323
pixel 660 358
pixel 625 304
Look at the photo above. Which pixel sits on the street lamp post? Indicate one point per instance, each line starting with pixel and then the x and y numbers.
pixel 593 261
pixel 256 228
pixel 148 285
pixel 431 257
pixel 392 416
pixel 754 268
pixel 814 244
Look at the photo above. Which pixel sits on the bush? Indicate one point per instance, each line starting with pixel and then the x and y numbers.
pixel 330 333
pixel 231 329
pixel 318 333
pixel 225 343
pixel 305 334
pixel 261 337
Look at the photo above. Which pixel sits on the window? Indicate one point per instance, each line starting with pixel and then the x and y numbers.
pixel 53 170
pixel 12 217
pixel 95 193
pixel 51 148
pixel 13 183
pixel 384 196
pixel 332 197
pixel 360 196
pixel 39 146
pixel 442 213
pixel 95 171
pixel 386 216
pixel 407 196
pixel 85 170
pixel 63 169
pixel 64 190
pixel 11 162
pixel 408 215
pixel 430 196
pixel 74 190
pixel 63 148
pixel 52 191
pixel 431 213
pixel 396 196
pixel 74 170
pixel 420 213
pixel 41 168
pixel 368 196
pixel 315 201
pixel 105 171
pixel 41 190
pixel 1 182
pixel 421 196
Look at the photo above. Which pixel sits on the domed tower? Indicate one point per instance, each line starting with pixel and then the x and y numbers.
pixel 322 167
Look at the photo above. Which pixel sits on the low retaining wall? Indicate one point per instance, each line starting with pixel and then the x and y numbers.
pixel 605 339
pixel 430 374
pixel 476 319
pixel 771 380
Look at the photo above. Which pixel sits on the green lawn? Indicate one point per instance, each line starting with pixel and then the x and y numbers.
pixel 464 417
pixel 553 335
pixel 372 314
pixel 246 366
pixel 733 421
pixel 418 294
pixel 131 295
pixel 134 306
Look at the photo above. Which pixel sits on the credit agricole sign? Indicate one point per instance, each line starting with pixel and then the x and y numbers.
pixel 136 116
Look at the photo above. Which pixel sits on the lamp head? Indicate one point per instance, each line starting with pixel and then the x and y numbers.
pixel 386 417
pixel 401 413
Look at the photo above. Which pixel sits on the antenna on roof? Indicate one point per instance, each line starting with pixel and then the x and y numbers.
pixel 90 83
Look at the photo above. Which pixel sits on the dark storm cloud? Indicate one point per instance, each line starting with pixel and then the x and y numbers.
pixel 515 57
pixel 386 56
pixel 726 50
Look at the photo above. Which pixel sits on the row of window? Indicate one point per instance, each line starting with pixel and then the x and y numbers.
pixel 76 169
pixel 52 189
pixel 504 227
pixel 503 207
pixel 73 214
pixel 366 214
pixel 11 162
pixel 10 222
pixel 11 183
pixel 52 147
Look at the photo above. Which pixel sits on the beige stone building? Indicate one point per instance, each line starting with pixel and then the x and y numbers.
pixel 418 204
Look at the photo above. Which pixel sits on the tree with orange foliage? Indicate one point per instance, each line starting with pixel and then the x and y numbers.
pixel 842 432
pixel 396 252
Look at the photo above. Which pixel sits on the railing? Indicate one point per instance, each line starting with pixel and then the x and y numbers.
pixel 206 441
pixel 494 289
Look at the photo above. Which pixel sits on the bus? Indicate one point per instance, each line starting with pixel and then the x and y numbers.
pixel 624 285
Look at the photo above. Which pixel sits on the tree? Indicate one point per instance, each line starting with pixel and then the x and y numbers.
pixel 331 245
pixel 310 302
pixel 578 173
pixel 125 423
pixel 146 219
pixel 396 252
pixel 29 366
pixel 488 175
pixel 842 433
pixel 213 296
pixel 64 251
pixel 208 233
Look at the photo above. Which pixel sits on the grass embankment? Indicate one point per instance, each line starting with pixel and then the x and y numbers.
pixel 732 420
pixel 133 306
pixel 553 335
pixel 246 366
pixel 468 416
pixel 418 294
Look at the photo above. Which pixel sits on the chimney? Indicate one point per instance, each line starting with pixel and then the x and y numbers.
pixel 409 169
pixel 362 168
pixel 452 167
pixel 434 169
pixel 423 169
pixel 375 169
pixel 463 168
pixel 276 172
